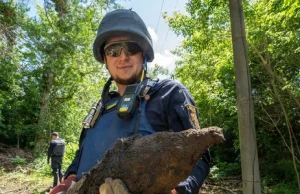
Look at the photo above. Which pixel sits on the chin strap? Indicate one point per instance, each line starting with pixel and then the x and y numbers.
pixel 145 63
pixel 144 69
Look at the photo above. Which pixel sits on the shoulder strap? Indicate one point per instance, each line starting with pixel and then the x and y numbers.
pixel 158 84
pixel 149 84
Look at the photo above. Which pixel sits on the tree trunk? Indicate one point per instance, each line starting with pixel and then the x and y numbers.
pixel 62 8
pixel 247 136
pixel 42 134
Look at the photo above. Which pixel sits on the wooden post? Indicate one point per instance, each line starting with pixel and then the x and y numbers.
pixel 247 136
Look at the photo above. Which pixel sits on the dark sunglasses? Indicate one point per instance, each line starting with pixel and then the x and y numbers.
pixel 114 49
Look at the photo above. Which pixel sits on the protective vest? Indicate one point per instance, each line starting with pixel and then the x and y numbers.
pixel 59 148
pixel 107 131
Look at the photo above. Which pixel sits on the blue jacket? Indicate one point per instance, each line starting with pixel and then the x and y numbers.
pixel 170 107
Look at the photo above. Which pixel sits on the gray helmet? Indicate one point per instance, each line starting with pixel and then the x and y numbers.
pixel 123 22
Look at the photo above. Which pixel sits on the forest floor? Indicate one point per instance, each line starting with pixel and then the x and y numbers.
pixel 18 176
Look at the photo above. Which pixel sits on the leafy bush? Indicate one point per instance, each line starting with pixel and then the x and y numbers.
pixel 40 166
pixel 224 169
pixel 2 171
pixel 18 161
pixel 283 188
pixel 69 154
pixel 281 171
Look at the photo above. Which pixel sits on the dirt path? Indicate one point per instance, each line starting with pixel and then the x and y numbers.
pixel 20 183
pixel 16 175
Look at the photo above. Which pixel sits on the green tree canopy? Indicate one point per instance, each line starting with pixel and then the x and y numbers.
pixel 206 69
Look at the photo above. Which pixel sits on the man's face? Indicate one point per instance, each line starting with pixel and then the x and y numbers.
pixel 124 69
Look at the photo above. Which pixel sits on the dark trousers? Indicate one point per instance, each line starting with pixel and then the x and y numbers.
pixel 56 169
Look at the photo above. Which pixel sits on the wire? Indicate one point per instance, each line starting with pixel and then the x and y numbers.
pixel 162 48
pixel 159 15
pixel 107 5
pixel 168 30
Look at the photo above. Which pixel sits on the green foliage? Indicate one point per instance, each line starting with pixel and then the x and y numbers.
pixel 206 69
pixel 2 171
pixel 156 70
pixel 224 169
pixel 18 161
pixel 48 77
pixel 281 171
pixel 69 154
pixel 40 166
pixel 24 182
pixel 286 188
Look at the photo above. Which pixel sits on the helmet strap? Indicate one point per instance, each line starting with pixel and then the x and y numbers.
pixel 145 63
pixel 144 70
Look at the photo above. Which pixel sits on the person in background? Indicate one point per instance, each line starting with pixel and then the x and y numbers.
pixel 140 105
pixel 55 152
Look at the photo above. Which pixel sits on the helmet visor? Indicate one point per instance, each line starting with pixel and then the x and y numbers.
pixel 114 49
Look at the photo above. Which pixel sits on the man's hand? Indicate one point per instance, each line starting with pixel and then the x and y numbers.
pixel 64 186
pixel 111 186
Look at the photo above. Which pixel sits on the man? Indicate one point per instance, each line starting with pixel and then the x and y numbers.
pixel 140 105
pixel 55 152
